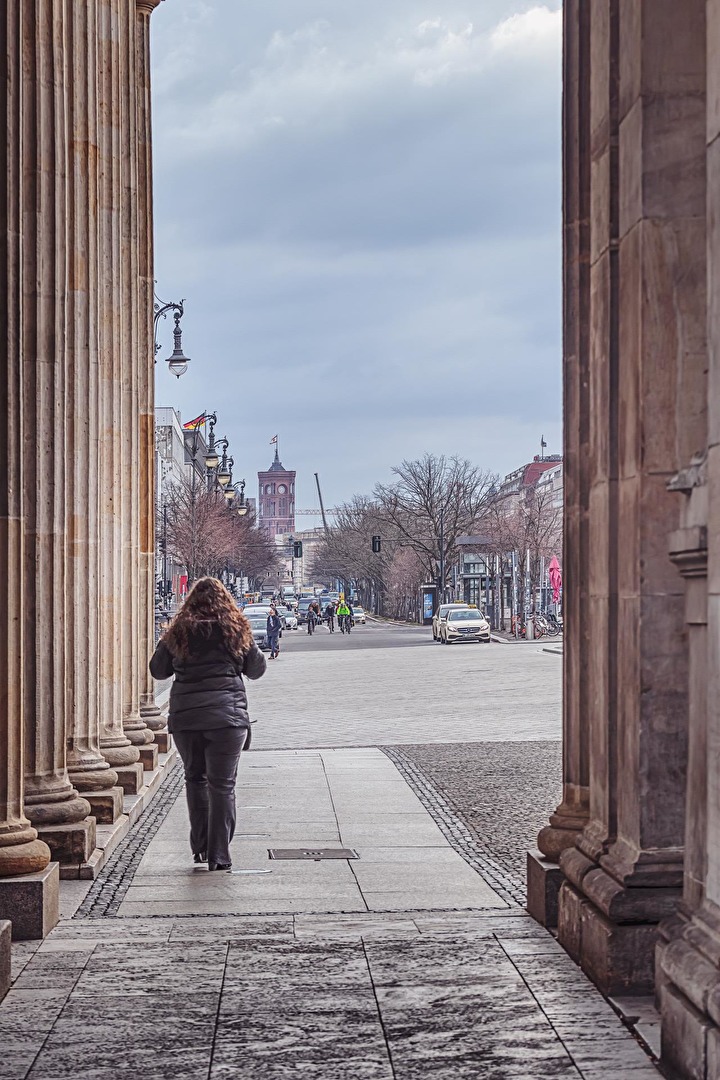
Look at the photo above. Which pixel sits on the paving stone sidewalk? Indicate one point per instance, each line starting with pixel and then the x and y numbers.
pixel 362 969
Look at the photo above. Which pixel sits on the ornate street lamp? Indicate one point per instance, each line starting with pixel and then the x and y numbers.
pixel 211 457
pixel 241 506
pixel 177 362
pixel 229 490
pixel 224 475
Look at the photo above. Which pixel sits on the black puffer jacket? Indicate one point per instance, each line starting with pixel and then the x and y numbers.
pixel 208 690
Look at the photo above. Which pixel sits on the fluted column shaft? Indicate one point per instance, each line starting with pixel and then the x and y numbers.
pixel 50 798
pixel 88 768
pixel 20 850
pixel 133 724
pixel 571 815
pixel 146 379
pixel 115 744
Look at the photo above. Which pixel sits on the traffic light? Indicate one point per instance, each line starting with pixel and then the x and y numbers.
pixel 297 549
pixel 376 544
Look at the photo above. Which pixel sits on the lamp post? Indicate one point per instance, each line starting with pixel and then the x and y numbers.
pixel 177 362
pixel 238 498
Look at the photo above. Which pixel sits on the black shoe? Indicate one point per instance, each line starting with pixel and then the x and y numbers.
pixel 220 866
pixel 200 857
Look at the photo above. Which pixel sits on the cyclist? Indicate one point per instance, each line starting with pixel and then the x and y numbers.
pixel 344 617
pixel 330 616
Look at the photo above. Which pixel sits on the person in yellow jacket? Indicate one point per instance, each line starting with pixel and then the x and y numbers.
pixel 344 617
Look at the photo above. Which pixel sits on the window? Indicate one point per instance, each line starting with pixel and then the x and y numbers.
pixel 283 507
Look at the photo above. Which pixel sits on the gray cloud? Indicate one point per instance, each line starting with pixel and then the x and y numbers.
pixel 361 204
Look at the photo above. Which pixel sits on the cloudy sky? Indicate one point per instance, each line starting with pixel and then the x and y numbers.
pixel 361 203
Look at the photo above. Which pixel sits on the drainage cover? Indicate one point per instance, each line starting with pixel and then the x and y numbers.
pixel 315 854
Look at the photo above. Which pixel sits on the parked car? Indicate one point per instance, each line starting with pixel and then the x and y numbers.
pixel 465 624
pixel 358 614
pixel 440 616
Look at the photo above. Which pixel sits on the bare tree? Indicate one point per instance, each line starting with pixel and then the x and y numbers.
pixel 528 525
pixel 206 537
pixel 433 501
pixel 254 552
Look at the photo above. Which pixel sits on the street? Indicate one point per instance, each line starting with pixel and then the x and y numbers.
pixel 386 684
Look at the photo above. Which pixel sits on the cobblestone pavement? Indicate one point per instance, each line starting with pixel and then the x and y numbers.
pixel 351 970
pixel 503 792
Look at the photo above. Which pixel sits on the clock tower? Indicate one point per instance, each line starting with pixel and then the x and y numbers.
pixel 276 498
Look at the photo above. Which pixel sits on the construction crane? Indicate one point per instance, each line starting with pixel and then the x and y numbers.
pixel 319 513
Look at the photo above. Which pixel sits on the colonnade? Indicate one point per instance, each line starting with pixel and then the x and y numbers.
pixel 76 404
pixel 635 841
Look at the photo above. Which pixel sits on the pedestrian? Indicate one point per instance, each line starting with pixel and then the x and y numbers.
pixel 208 648
pixel 330 616
pixel 274 629
pixel 312 616
pixel 343 614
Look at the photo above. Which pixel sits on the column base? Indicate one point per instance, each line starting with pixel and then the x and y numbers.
pixel 139 737
pixel 689 977
pixel 71 845
pixel 163 741
pixel 544 879
pixel 26 858
pixel 107 806
pixel 5 937
pixel 618 957
pixel 149 757
pixel 92 779
pixel 152 717
pixel 130 778
pixel 32 903
pixel 120 756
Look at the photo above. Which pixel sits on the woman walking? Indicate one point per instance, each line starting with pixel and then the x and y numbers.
pixel 208 648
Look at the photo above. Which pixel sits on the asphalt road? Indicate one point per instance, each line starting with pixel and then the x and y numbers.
pixel 372 635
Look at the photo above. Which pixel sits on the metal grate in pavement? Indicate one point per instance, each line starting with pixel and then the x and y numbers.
pixel 316 854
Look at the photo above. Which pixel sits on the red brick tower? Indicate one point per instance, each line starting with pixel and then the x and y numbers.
pixel 276 498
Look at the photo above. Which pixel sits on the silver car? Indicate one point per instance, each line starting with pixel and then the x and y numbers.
pixel 258 625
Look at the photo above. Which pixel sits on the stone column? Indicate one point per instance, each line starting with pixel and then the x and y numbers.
pixel 128 323
pixel 88 769
pixel 115 744
pixel 51 801
pixel 647 391
pixel 568 820
pixel 689 950
pixel 20 850
pixel 146 376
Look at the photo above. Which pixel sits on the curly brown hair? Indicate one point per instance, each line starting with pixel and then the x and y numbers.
pixel 209 605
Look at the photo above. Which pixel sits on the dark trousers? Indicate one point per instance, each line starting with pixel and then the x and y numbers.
pixel 274 642
pixel 211 762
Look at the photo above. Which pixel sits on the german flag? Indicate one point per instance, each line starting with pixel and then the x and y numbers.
pixel 196 423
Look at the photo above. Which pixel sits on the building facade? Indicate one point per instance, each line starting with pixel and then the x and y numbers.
pixel 276 499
